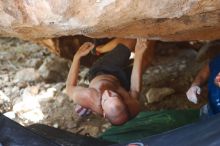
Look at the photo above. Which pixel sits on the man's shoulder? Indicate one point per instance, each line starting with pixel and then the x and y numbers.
pixel 83 91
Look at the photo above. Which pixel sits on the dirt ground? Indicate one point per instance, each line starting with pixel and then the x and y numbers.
pixel 32 85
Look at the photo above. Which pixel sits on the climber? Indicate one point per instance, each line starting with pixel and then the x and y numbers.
pixel 112 93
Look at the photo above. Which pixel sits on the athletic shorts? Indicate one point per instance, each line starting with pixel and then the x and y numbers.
pixel 116 63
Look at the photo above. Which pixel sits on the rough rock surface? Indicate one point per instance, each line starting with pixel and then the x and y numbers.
pixel 54 69
pixel 153 19
pixel 157 94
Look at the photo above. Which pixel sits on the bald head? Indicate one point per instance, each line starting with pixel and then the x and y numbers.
pixel 114 109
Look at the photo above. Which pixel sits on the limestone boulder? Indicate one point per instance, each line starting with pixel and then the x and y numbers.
pixel 154 19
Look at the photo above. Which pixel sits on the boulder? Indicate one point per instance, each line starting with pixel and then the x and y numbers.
pixel 54 69
pixel 153 19
pixel 27 75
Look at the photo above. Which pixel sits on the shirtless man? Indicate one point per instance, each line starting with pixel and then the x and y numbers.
pixel 111 92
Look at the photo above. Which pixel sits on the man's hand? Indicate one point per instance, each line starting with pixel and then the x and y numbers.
pixel 84 49
pixel 217 80
pixel 192 93
pixel 141 45
pixel 81 111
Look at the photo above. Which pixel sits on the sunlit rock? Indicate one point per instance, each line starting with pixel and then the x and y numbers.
pixel 153 19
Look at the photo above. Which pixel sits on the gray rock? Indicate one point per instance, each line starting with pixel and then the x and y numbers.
pixel 71 124
pixel 157 94
pixel 92 130
pixel 54 69
pixel 27 75
pixel 60 101
pixel 106 125
pixel 7 91
pixel 22 85
pixel 10 114
pixel 4 77
pixel 83 72
pixel 182 67
pixel 156 71
pixel 55 125
pixel 59 86
pixel 35 62
pixel 3 97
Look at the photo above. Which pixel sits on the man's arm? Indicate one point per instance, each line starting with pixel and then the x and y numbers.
pixel 81 95
pixel 71 81
pixel 143 51
pixel 202 76
pixel 143 54
pixel 200 80
pixel 74 69
pixel 86 98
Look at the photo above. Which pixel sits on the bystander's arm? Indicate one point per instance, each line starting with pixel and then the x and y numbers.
pixel 202 76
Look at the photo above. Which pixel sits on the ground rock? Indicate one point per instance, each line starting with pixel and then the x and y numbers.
pixel 93 130
pixel 35 63
pixel 157 94
pixel 59 86
pixel 10 114
pixel 3 97
pixel 54 69
pixel 27 74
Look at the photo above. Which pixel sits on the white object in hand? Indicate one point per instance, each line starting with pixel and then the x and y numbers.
pixel 192 93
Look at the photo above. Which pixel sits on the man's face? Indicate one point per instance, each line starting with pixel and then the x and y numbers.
pixel 109 98
pixel 108 94
pixel 113 107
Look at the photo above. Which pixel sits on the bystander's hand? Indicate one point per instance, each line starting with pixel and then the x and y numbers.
pixel 192 93
pixel 217 80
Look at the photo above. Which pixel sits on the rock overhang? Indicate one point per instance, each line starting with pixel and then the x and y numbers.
pixel 168 20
